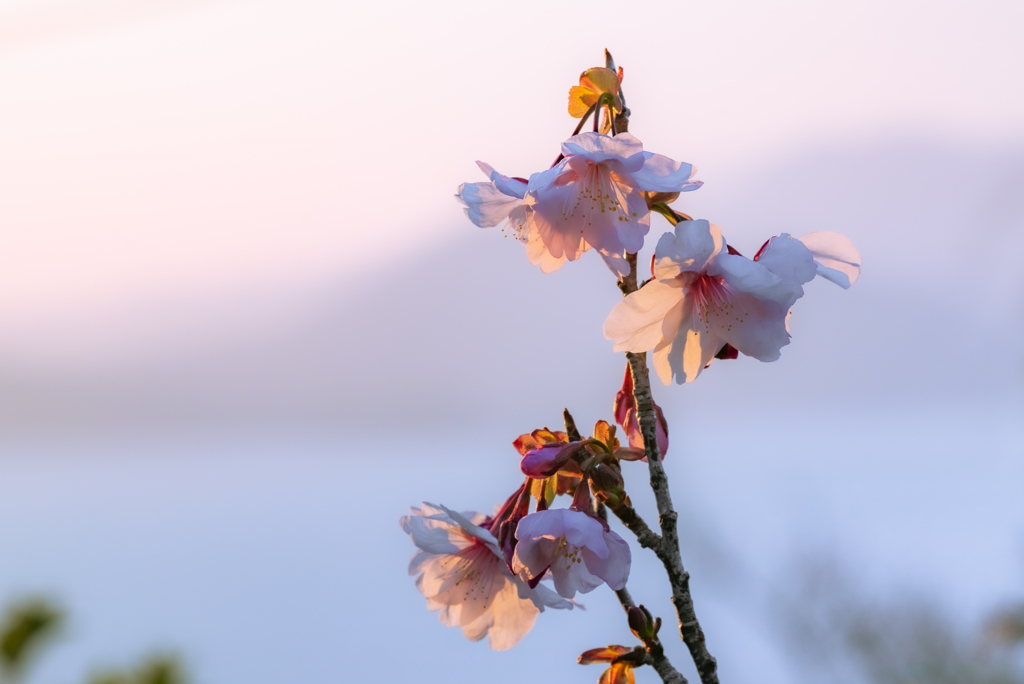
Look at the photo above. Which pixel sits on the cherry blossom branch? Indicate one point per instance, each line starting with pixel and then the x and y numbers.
pixel 654 653
pixel 647 537
pixel 668 548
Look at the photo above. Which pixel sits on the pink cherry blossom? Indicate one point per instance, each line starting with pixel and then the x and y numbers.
pixel 504 201
pixel 462 574
pixel 592 198
pixel 578 549
pixel 704 297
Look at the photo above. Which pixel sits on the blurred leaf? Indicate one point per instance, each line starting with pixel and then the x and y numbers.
pixel 157 669
pixel 110 678
pixel 25 627
pixel 161 669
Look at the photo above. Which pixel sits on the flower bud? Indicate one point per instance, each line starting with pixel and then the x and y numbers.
pixel 504 523
pixel 626 415
pixel 641 623
pixel 548 459
pixel 606 483
pixel 593 84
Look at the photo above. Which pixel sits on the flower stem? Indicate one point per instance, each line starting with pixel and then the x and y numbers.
pixel 579 127
pixel 673 216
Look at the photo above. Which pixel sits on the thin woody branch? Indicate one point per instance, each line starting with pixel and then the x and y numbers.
pixel 647 537
pixel 654 654
pixel 668 550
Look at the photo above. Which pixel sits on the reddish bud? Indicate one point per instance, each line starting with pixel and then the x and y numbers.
pixel 641 623
pixel 626 416
pixel 547 460
pixel 506 520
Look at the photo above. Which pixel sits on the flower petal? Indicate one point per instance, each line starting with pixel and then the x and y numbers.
pixel 623 149
pixel 538 254
pixel 635 323
pixel 602 655
pixel 543 597
pixel 563 236
pixel 484 204
pixel 533 555
pixel 583 530
pixel 692 349
pixel 433 536
pixel 661 174
pixel 571 577
pixel 635 222
pixel 470 528
pixel 613 569
pixel 616 263
pixel 507 621
pixel 753 277
pixel 788 258
pixel 580 100
pixel 756 327
pixel 551 177
pixel 689 248
pixel 838 260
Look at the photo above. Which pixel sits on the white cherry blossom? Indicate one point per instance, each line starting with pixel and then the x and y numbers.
pixel 703 297
pixel 592 198
pixel 578 550
pixel 503 201
pixel 462 573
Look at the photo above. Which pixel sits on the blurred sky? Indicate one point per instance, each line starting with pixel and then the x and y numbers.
pixel 233 281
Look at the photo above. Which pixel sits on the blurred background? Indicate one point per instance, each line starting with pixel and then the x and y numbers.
pixel 244 325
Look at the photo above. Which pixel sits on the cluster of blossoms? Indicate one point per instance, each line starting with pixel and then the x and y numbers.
pixel 704 300
pixel 485 573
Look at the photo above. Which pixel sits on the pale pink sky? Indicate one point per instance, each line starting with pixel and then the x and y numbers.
pixel 178 149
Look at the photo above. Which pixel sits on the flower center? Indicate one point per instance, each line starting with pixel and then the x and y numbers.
pixel 711 300
pixel 468 572
pixel 518 224
pixel 570 553
pixel 594 193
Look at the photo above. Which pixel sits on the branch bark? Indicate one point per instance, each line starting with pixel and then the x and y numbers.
pixel 668 548
pixel 655 653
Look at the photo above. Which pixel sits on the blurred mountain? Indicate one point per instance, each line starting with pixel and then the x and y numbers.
pixel 468 333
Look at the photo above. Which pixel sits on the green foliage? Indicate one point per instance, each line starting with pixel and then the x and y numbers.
pixel 25 627
pixel 157 669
